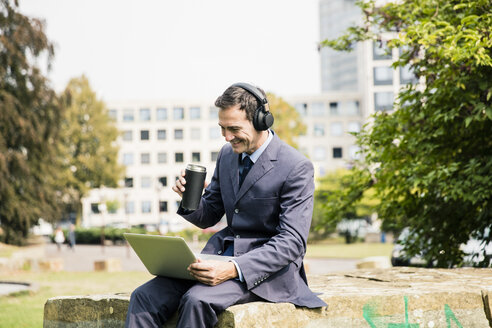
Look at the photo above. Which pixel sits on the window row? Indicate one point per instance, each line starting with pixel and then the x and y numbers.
pixel 162 158
pixel 383 75
pixel 145 207
pixel 336 129
pixel 320 109
pixel 178 134
pixel 147 182
pixel 321 153
pixel 177 113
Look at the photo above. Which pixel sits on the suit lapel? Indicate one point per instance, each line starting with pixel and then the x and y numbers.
pixel 259 169
pixel 234 173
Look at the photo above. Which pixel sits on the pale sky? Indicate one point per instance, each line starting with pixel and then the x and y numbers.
pixel 193 49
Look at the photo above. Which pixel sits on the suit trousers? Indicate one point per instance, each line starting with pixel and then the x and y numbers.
pixel 198 305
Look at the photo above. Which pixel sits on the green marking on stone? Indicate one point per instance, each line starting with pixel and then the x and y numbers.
pixel 368 313
pixel 450 315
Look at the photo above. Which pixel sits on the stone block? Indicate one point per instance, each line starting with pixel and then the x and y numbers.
pixel 52 264
pixel 374 262
pixel 395 297
pixel 372 237
pixel 108 265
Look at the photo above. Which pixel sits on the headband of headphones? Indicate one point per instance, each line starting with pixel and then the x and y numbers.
pixel 263 118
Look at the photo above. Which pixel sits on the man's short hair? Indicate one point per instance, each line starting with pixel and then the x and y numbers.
pixel 233 96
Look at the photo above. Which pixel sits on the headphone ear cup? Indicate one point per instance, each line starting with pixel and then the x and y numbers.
pixel 263 119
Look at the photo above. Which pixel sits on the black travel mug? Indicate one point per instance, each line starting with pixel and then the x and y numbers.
pixel 195 179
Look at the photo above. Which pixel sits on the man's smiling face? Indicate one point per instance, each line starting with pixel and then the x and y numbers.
pixel 238 131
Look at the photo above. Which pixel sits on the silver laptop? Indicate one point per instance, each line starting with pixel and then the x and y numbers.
pixel 167 256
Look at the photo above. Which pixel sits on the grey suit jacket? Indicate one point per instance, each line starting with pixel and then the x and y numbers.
pixel 268 220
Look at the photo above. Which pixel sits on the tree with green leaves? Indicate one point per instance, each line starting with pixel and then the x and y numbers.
pixel 88 149
pixel 430 161
pixel 29 126
pixel 328 191
pixel 288 124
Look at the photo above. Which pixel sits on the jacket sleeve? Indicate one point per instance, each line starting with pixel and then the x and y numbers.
pixel 289 244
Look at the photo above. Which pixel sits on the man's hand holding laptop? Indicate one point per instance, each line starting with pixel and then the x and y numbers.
pixel 212 272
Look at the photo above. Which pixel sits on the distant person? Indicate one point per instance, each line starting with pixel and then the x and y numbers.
pixel 59 237
pixel 71 237
pixel 268 212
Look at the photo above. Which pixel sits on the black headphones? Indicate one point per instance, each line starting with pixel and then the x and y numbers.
pixel 263 118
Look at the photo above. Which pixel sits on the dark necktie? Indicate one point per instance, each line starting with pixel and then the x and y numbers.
pixel 243 171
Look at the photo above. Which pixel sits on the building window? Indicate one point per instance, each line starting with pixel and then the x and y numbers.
pixel 163 206
pixel 334 109
pixel 354 152
pixel 128 115
pixel 128 159
pixel 163 181
pixel 179 157
pixel 383 75
pixel 214 133
pixel 319 153
pixel 144 114
pixel 337 152
pixel 195 113
pixel 353 127
pixel 383 101
pixel 301 108
pixel 178 113
pixel 380 50
pixel 195 157
pixel 196 133
pixel 128 182
pixel 178 134
pixel 319 130
pixel 214 155
pixel 146 206
pixel 161 114
pixel 161 158
pixel 129 207
pixel 95 208
pixel 352 108
pixel 318 109
pixel 113 114
pixel 144 158
pixel 161 135
pixel 214 113
pixel 336 129
pixel 127 135
pixel 145 182
pixel 407 76
pixel 144 135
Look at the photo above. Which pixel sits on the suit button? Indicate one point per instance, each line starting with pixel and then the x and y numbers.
pixel 236 210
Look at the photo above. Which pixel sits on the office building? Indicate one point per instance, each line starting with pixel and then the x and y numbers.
pixel 158 139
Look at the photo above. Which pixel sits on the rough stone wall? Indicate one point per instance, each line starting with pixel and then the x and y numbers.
pixel 397 298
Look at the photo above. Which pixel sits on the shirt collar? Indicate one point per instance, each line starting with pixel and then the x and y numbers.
pixel 254 157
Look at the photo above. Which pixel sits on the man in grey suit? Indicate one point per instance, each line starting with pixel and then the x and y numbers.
pixel 265 189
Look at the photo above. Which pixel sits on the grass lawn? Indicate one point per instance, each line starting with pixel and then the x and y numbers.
pixel 26 310
pixel 352 251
